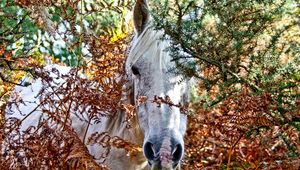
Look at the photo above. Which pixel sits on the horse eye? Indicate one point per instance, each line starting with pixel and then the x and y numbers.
pixel 135 70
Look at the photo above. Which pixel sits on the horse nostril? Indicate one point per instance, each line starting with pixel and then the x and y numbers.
pixel 149 151
pixel 156 156
pixel 175 165
pixel 177 153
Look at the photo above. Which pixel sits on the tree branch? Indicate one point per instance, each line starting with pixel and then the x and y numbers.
pixel 2 77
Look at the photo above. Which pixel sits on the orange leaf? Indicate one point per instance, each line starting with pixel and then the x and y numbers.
pixel 2 48
pixel 8 56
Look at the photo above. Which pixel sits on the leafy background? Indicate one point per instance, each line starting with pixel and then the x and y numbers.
pixel 244 112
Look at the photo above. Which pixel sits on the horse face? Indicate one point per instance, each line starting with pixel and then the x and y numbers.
pixel 162 123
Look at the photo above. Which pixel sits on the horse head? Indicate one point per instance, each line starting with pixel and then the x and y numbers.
pixel 160 115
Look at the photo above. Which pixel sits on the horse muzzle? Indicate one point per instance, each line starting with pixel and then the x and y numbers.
pixel 158 166
pixel 164 155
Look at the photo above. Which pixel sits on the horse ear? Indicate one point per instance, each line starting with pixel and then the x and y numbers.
pixel 140 15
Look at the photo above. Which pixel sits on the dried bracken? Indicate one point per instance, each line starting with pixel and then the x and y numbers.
pixel 241 132
pixel 246 111
pixel 53 143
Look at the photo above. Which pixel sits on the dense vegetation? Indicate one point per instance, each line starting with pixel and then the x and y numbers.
pixel 244 111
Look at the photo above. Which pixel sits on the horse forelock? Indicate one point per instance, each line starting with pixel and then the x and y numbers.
pixel 152 41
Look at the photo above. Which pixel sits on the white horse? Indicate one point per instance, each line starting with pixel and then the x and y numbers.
pixel 159 128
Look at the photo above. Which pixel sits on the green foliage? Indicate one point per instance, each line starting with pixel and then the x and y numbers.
pixel 233 45
pixel 36 32
pixel 59 29
pixel 229 45
pixel 226 43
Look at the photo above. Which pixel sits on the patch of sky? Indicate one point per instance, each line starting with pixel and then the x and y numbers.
pixel 78 28
pixel 43 50
pixel 20 13
pixel 85 23
pixel 88 5
pixel 62 28
pixel 85 50
pixel 34 37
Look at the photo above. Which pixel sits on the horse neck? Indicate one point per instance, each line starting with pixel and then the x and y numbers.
pixel 119 124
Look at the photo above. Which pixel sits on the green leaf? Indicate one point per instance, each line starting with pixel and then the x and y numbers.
pixel 3 3
pixel 18 52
